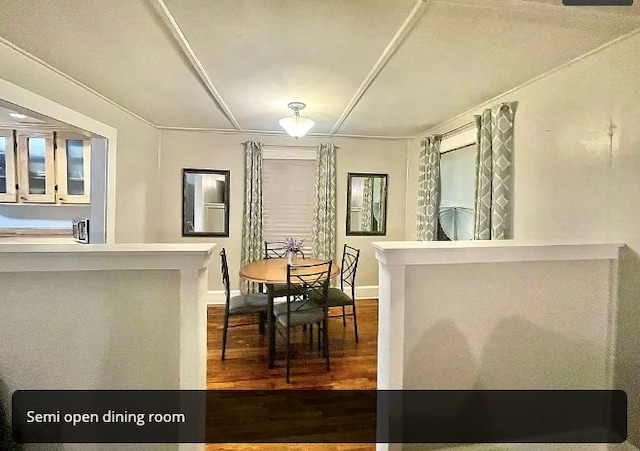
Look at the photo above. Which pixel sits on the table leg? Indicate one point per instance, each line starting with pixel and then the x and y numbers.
pixel 271 327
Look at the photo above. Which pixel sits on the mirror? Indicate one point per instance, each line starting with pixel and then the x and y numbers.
pixel 205 202
pixel 367 204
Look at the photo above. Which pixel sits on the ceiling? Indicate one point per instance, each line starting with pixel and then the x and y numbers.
pixel 387 68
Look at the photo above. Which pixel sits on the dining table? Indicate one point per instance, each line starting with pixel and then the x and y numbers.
pixel 272 272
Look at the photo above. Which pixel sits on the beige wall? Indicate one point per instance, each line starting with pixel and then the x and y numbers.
pixel 137 196
pixel 573 181
pixel 191 149
pixel 460 337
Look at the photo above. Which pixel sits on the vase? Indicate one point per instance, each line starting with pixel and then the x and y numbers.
pixel 290 257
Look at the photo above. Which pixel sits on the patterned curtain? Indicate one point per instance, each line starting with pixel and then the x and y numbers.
pixel 324 206
pixel 367 205
pixel 494 165
pixel 252 244
pixel 428 189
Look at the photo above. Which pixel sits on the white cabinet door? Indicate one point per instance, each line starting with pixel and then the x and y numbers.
pixel 73 160
pixel 36 175
pixel 7 167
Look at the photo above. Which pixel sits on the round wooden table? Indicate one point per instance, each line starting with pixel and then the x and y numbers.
pixel 273 271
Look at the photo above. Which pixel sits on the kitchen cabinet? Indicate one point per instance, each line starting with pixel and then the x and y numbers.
pixel 7 167
pixel 72 159
pixel 50 167
pixel 36 177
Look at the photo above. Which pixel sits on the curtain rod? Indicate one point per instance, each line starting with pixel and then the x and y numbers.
pixel 467 125
pixel 293 147
pixel 457 148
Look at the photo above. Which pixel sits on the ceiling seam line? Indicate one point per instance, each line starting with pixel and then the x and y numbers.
pixel 188 51
pixel 532 80
pixel 387 53
pixel 78 83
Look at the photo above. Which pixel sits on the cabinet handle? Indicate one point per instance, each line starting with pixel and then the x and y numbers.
pixel 23 198
pixel 61 198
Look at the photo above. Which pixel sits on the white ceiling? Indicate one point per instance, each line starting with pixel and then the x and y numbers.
pixel 389 68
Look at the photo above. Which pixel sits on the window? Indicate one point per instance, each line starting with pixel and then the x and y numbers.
pixel 457 185
pixel 287 194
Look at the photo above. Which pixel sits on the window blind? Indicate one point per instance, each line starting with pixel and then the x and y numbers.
pixel 287 199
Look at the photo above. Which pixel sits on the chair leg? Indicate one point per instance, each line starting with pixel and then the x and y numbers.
pixel 344 319
pixel 288 350
pixel 310 336
pixel 224 333
pixel 261 323
pixel 325 337
pixel 355 319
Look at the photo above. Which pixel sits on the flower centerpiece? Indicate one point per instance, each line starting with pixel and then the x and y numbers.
pixel 293 246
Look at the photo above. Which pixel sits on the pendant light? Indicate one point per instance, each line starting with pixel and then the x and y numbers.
pixel 296 125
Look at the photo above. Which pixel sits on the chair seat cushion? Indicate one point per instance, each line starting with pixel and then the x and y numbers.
pixel 248 303
pixel 304 312
pixel 280 308
pixel 280 290
pixel 336 297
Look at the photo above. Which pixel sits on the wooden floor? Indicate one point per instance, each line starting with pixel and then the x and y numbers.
pixel 353 366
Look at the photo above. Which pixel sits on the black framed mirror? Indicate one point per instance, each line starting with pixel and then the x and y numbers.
pixel 205 202
pixel 366 204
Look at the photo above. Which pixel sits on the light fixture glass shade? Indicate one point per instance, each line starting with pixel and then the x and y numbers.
pixel 296 126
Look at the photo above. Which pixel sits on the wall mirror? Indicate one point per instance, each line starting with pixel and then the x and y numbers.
pixel 205 202
pixel 366 204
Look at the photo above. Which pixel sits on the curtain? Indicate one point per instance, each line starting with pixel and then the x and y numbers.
pixel 428 189
pixel 367 205
pixel 494 166
pixel 323 239
pixel 252 243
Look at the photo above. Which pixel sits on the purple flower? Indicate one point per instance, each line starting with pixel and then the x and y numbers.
pixel 293 244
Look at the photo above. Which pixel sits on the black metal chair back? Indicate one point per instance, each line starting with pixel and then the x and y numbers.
pixel 224 270
pixel 303 279
pixel 350 258
pixel 277 249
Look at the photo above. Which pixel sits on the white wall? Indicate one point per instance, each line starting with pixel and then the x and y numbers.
pixel 573 181
pixel 186 149
pixel 137 197
pixel 512 335
pixel 89 330
pixel 45 216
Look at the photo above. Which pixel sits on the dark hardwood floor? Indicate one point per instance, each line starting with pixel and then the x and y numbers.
pixel 353 366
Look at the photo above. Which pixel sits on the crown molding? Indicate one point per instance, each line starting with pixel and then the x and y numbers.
pixel 279 133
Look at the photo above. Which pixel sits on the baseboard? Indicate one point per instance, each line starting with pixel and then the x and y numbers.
pixel 364 292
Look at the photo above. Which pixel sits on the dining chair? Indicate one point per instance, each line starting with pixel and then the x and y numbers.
pixel 243 304
pixel 336 296
pixel 300 310
pixel 278 249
